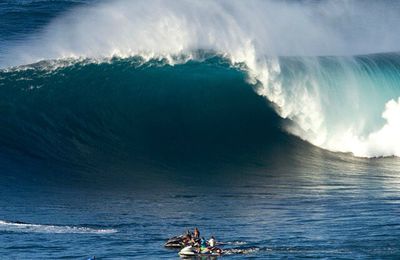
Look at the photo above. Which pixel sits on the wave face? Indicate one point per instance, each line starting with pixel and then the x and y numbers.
pixel 94 115
pixel 308 58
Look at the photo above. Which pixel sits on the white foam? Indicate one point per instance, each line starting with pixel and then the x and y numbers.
pixel 237 243
pixel 383 142
pixel 241 251
pixel 36 228
pixel 152 28
pixel 336 118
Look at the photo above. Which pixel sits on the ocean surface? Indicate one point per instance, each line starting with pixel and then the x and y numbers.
pixel 272 125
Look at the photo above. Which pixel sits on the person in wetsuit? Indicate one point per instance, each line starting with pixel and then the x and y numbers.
pixel 203 245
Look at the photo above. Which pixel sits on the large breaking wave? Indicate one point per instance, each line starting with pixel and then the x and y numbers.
pixel 309 58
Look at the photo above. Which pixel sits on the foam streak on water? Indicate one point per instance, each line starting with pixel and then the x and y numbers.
pixel 53 229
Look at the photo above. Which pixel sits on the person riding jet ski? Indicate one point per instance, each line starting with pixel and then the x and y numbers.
pixel 212 242
pixel 196 233
pixel 203 245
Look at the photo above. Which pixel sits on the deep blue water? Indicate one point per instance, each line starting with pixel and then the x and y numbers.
pixel 336 209
pixel 112 158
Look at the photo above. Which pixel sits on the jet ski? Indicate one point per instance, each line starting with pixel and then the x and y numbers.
pixel 181 241
pixel 190 251
pixel 175 242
